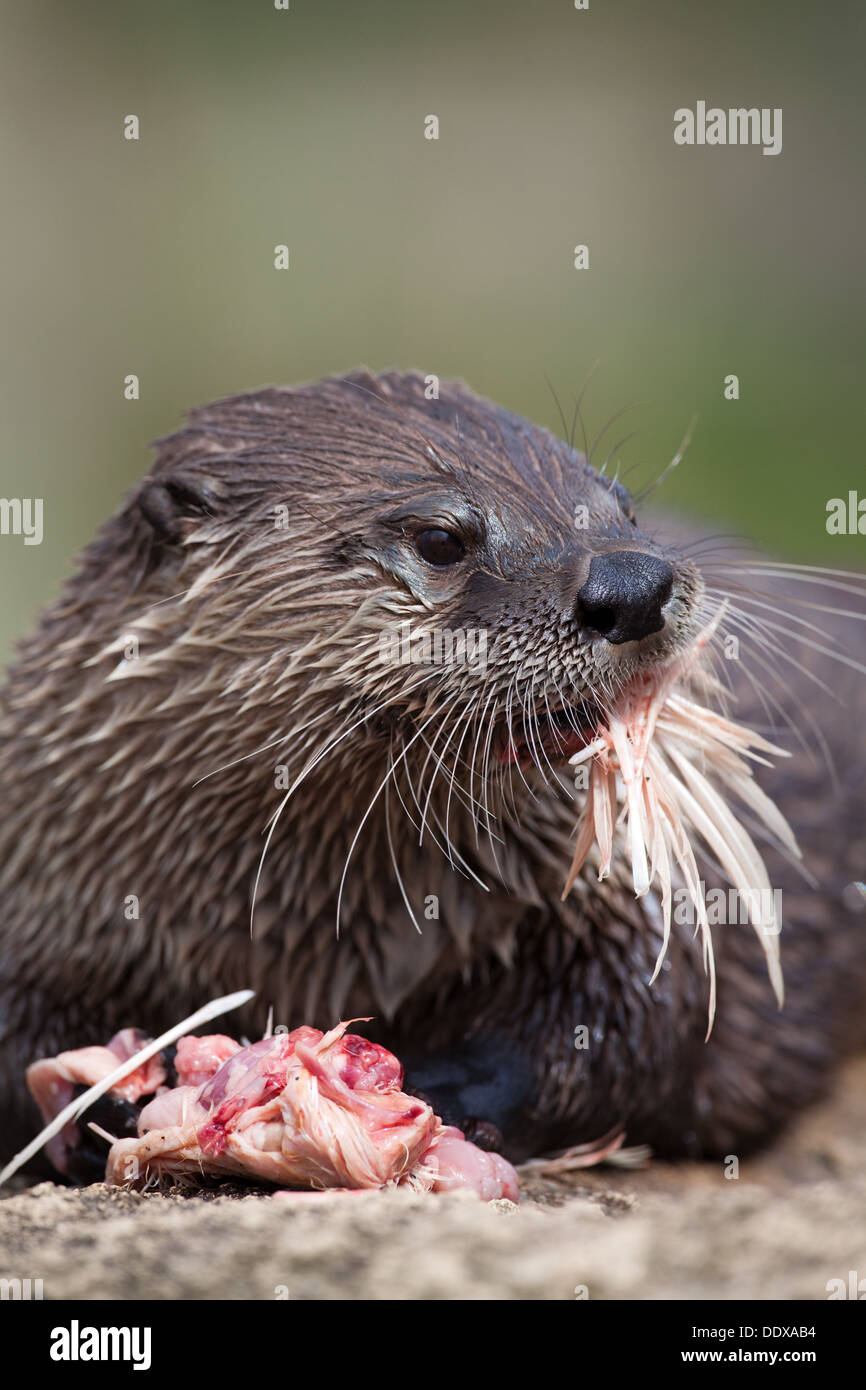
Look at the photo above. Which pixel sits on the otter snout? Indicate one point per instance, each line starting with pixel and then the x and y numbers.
pixel 624 594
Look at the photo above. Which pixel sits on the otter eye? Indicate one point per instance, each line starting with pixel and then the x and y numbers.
pixel 439 547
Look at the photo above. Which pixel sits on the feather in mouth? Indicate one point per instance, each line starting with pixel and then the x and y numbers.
pixel 661 770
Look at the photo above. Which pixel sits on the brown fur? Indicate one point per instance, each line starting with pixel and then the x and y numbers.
pixel 251 635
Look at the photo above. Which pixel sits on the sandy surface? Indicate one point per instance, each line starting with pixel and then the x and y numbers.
pixel 792 1220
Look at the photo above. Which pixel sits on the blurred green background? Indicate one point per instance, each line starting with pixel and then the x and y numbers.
pixel 307 127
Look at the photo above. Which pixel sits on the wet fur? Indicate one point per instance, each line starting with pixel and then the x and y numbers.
pixel 250 635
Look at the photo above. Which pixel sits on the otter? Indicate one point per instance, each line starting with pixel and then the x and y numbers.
pixel 221 768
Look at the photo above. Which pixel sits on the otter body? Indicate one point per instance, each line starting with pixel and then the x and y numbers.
pixel 227 674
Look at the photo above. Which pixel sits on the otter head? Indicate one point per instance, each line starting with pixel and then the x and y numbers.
pixel 522 591
pixel 435 577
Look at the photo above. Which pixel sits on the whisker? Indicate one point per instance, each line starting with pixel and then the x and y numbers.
pixel 674 463
pixel 367 814
pixel 623 410
pixel 577 415
pixel 274 820
pixel 390 840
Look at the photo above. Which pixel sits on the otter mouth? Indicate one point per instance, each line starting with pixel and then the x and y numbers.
pixel 550 736
pixel 662 770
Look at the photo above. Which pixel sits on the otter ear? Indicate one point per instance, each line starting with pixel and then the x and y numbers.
pixel 172 504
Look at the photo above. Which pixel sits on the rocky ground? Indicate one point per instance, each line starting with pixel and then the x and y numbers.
pixel 793 1219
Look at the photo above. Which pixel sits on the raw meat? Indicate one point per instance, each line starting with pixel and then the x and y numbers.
pixel 300 1109
pixel 54 1080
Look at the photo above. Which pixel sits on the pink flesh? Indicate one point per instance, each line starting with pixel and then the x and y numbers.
pixel 300 1109
pixel 458 1163
pixel 52 1082
pixel 198 1058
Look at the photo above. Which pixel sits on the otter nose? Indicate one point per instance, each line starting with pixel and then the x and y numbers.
pixel 624 594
